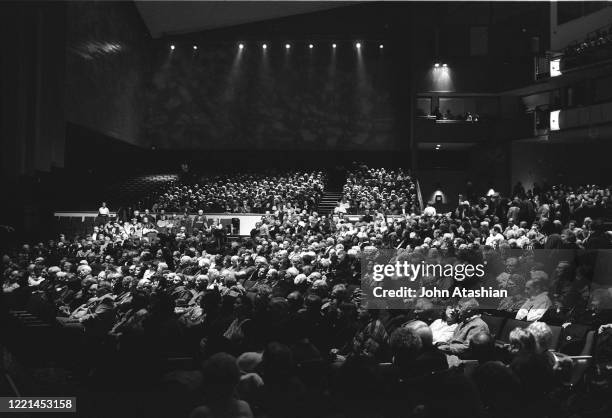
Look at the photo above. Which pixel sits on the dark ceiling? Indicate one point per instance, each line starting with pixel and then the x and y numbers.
pixel 179 17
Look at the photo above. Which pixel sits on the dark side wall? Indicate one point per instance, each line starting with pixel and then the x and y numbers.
pixel 502 165
pixel 31 81
pixel 478 169
pixel 474 75
pixel 561 163
pixel 106 63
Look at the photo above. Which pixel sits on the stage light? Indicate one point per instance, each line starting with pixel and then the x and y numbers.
pixel 264 46
pixel 358 45
pixel 437 65
pixel 195 47
pixel 334 46
pixel 241 46
pixel 381 46
pixel 287 46
pixel 172 47
pixel 311 46
pixel 444 66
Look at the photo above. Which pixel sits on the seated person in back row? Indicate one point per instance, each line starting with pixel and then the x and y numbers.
pixel 97 315
pixel 538 301
pixel 470 324
pixel 429 359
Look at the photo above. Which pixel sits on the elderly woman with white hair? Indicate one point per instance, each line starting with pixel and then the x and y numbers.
pixel 543 336
pixel 538 301
pixel 522 341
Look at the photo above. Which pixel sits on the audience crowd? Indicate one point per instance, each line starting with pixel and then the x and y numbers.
pixel 448 115
pixel 279 323
pixel 390 192
pixel 245 193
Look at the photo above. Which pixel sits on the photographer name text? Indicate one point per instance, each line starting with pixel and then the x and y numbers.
pixel 405 292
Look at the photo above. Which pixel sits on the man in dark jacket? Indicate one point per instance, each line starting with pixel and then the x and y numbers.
pixel 97 316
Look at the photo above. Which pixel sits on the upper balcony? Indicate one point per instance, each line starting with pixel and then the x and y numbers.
pixel 428 129
pixel 468 119
pixel 583 116
pixel 593 49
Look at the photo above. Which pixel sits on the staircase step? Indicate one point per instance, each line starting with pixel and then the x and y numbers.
pixel 330 198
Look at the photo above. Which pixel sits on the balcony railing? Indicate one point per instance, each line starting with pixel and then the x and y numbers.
pixel 428 129
pixel 541 64
pixel 585 116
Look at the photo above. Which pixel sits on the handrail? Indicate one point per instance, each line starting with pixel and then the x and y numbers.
pixel 419 195
pixel 94 214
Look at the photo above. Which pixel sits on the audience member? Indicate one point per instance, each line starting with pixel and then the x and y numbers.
pixel 292 291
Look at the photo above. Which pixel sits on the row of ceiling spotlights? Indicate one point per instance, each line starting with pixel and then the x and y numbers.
pixel 358 45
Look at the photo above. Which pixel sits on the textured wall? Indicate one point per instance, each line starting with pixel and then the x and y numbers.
pixel 220 98
pixel 106 61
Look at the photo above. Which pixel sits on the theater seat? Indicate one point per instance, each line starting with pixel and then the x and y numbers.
pixel 509 325
pixel 556 335
pixel 495 324
pixel 589 344
pixel 180 363
pixel 504 335
pixel 312 372
pixel 581 365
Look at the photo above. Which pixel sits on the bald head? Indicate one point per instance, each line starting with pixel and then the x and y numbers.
pixel 482 347
pixel 482 339
pixel 421 329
